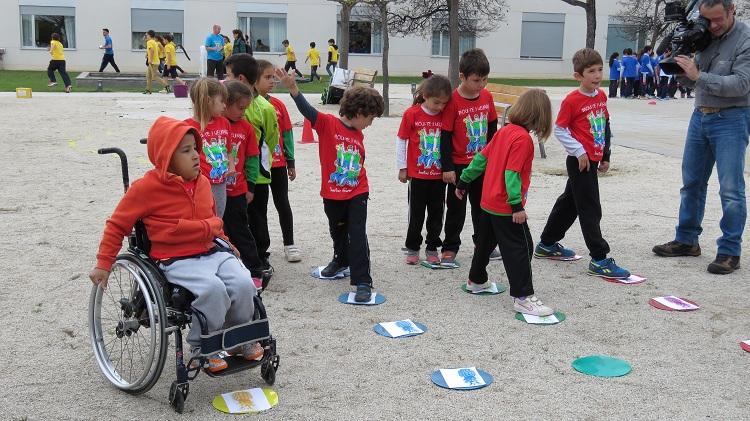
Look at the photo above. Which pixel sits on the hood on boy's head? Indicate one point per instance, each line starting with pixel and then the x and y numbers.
pixel 164 137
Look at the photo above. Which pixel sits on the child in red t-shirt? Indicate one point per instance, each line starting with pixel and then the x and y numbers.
pixel 209 98
pixel 344 179
pixel 506 161
pixel 469 121
pixel 282 168
pixel 418 161
pixel 582 127
pixel 242 146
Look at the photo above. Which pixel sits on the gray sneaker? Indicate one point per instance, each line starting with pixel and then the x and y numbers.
pixel 495 255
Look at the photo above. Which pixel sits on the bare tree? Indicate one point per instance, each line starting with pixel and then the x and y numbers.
pixel 590 7
pixel 377 11
pixel 346 12
pixel 643 17
pixel 457 17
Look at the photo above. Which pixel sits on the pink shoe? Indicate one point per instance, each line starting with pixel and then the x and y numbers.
pixel 412 257
pixel 432 257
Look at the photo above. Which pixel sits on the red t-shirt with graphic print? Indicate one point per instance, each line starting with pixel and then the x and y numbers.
pixel 586 118
pixel 242 144
pixel 342 159
pixel 285 123
pixel 511 149
pixel 213 153
pixel 468 119
pixel 422 131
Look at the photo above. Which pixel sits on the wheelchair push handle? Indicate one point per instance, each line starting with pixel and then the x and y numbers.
pixel 123 163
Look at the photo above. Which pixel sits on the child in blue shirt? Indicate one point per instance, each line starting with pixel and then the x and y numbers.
pixel 647 73
pixel 629 74
pixel 615 72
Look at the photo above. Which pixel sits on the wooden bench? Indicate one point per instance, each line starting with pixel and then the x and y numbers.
pixel 505 97
pixel 364 77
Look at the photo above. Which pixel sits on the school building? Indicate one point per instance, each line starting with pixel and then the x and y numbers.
pixel 537 38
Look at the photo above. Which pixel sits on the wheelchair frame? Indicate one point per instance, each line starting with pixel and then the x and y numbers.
pixel 148 310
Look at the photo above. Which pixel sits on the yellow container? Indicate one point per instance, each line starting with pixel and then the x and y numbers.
pixel 23 93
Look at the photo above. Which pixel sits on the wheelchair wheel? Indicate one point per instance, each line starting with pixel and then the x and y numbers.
pixel 127 325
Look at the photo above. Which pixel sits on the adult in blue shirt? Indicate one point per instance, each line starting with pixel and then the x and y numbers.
pixel 215 47
pixel 109 53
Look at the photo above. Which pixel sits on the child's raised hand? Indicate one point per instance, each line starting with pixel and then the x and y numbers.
pixel 603 166
pixel 286 80
pixel 99 277
pixel 402 175
pixel 583 163
pixel 519 217
pixel 460 194
pixel 449 177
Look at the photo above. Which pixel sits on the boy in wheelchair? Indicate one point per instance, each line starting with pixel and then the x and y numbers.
pixel 175 203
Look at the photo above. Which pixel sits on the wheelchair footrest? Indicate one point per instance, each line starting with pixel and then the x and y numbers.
pixel 235 364
pixel 226 339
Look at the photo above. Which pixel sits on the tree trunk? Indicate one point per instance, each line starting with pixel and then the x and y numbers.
pixel 346 11
pixel 384 31
pixel 454 41
pixel 590 23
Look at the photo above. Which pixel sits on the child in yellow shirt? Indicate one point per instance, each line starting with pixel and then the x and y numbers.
pixel 333 57
pixel 291 58
pixel 57 63
pixel 314 56
pixel 170 64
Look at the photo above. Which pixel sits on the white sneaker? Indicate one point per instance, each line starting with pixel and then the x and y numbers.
pixel 292 253
pixel 51 84
pixel 532 305
pixel 471 286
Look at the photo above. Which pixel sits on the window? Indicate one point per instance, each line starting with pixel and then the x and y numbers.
pixel 364 37
pixel 264 30
pixel 38 23
pixel 542 35
pixel 441 42
pixel 161 21
pixel 620 37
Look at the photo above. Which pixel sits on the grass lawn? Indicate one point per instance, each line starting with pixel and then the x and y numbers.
pixel 37 81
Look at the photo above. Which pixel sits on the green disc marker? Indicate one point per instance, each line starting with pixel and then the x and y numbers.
pixel 500 290
pixel 601 366
pixel 554 319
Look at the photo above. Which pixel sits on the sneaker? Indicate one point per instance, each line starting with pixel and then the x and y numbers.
pixel 68 89
pixel 147 92
pixel 471 286
pixel 412 257
pixel 495 255
pixel 724 264
pixel 252 352
pixel 531 305
pixel 556 251
pixel 364 291
pixel 332 269
pixel 168 89
pixel 432 257
pixel 607 268
pixel 675 248
pixel 215 363
pixel 448 257
pixel 51 84
pixel 292 253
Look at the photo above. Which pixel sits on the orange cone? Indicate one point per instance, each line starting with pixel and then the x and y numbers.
pixel 307 133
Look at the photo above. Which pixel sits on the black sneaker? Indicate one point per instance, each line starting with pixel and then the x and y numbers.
pixel 674 249
pixel 724 264
pixel 332 269
pixel 364 291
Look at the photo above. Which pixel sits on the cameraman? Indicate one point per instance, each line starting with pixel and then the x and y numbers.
pixel 718 132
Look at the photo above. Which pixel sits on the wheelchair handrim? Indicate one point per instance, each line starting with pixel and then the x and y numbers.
pixel 110 369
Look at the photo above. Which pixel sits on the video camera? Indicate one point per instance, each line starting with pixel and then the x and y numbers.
pixel 689 36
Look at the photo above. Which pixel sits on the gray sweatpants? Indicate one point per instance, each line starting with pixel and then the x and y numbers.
pixel 220 198
pixel 223 290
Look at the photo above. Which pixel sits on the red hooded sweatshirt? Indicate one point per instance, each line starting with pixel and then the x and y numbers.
pixel 178 223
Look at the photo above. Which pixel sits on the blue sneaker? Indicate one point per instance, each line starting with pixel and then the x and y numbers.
pixel 555 251
pixel 607 268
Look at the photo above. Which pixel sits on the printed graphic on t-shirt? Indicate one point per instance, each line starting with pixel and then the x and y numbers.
pixel 476 130
pixel 429 148
pixel 216 155
pixel 598 121
pixel 235 150
pixel 347 165
pixel 277 155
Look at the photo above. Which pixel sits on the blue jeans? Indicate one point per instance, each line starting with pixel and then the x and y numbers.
pixel 721 138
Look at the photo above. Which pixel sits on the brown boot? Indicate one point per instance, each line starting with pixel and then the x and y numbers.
pixel 674 249
pixel 724 264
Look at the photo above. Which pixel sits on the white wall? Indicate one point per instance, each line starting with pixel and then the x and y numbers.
pixel 307 20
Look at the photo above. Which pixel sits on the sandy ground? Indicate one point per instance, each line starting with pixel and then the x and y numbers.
pixel 56 194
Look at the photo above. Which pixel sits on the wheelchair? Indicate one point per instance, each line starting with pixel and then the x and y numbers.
pixel 131 319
